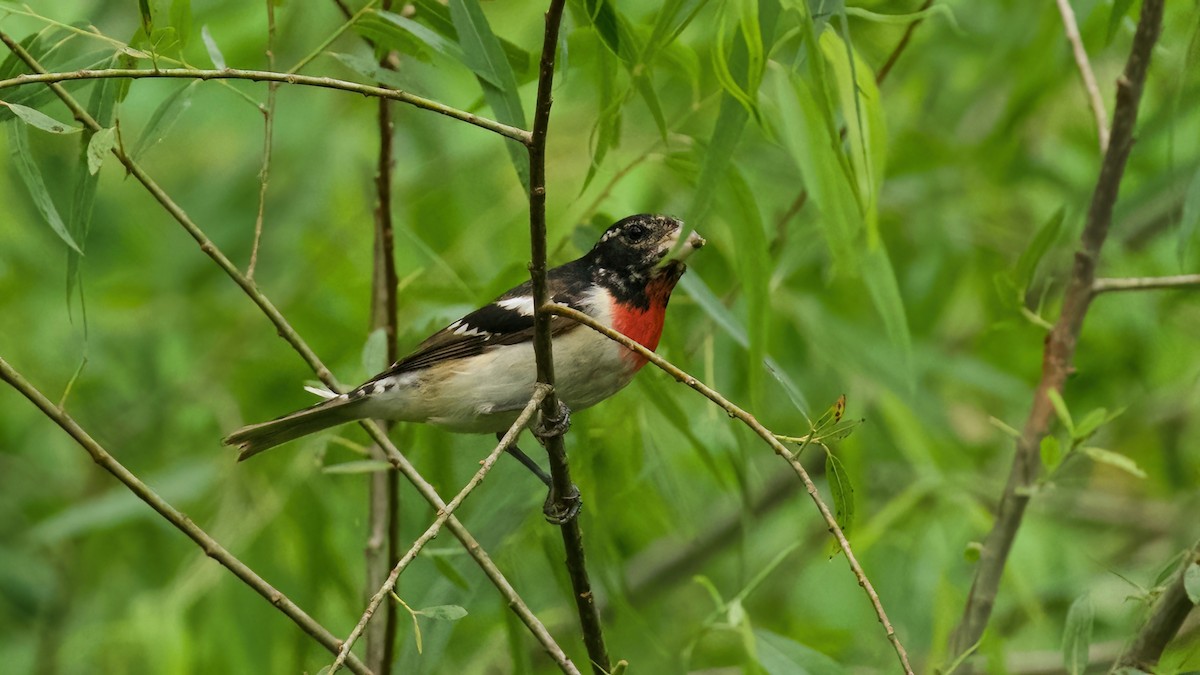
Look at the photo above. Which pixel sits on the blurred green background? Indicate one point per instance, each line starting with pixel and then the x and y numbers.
pixel 979 136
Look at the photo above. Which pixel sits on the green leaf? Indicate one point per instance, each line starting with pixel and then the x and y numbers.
pixel 1051 452
pixel 1093 421
pixel 40 120
pixel 358 466
pixel 1077 635
pixel 435 42
pixel 884 290
pixel 1189 221
pixel 98 148
pixel 842 490
pixel 370 69
pixel 779 655
pixel 1060 408
pixel 437 15
pixel 214 52
pixel 374 353
pixel 31 175
pixel 1046 235
pixel 443 612
pixel 482 52
pixel 1191 582
pixel 1120 9
pixel 1113 459
pixel 147 16
pixel 752 262
pixel 164 118
pixel 1002 426
pixel 181 20
pixel 673 17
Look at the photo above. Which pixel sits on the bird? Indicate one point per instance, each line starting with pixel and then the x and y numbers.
pixel 477 374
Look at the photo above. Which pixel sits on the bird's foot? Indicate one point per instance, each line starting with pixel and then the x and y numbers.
pixel 560 510
pixel 553 427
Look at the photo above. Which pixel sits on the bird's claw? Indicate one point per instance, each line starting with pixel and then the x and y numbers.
pixel 553 427
pixel 562 510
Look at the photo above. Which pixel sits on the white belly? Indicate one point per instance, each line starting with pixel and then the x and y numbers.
pixel 487 392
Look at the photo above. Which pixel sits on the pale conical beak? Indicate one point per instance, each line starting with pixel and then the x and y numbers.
pixel 690 245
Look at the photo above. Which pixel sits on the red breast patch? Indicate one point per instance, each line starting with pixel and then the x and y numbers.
pixel 644 326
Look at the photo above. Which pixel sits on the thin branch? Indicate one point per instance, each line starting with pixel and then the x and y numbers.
pixel 1145 283
pixel 562 487
pixel 268 140
pixel 539 393
pixel 1095 101
pixel 767 436
pixel 1163 623
pixel 383 517
pixel 289 334
pixel 1061 343
pixel 181 522
pixel 901 45
pixel 44 77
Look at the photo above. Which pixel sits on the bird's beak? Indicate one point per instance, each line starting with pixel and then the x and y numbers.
pixel 681 251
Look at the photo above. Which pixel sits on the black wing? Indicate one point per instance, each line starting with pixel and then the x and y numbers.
pixel 506 321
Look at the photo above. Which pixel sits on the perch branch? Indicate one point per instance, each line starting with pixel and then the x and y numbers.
pixel 1095 101
pixel 510 437
pixel 1163 623
pixel 1061 342
pixel 1145 283
pixel 268 112
pixel 562 487
pixel 289 334
pixel 181 522
pixel 44 77
pixel 750 421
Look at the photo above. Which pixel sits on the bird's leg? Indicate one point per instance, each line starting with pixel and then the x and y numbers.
pixel 558 508
pixel 527 461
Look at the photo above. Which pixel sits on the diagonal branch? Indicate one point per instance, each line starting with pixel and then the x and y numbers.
pixel 1061 343
pixel 1163 623
pixel 289 334
pixel 181 522
pixel 1095 101
pixel 41 76
pixel 771 440
pixel 510 437
pixel 585 601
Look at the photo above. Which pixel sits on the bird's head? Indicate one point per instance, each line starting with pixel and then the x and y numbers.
pixel 644 247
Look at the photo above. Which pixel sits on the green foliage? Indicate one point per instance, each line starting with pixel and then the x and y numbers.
pixel 905 242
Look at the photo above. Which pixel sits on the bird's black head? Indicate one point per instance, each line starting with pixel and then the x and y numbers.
pixel 629 252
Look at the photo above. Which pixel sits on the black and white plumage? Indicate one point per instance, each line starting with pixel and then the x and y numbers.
pixel 476 374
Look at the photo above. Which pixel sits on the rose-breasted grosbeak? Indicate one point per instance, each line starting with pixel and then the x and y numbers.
pixel 476 374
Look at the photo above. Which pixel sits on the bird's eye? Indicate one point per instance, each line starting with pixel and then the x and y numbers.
pixel 636 232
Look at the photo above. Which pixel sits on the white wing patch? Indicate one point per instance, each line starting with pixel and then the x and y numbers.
pixel 522 304
pixel 460 328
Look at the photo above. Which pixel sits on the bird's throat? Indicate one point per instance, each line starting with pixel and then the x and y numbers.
pixel 644 324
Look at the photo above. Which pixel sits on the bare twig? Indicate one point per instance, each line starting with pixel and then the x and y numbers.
pixel 383 518
pixel 1060 344
pixel 750 421
pixel 289 334
pixel 1163 623
pixel 180 521
pixel 1145 283
pixel 902 44
pixel 444 514
pixel 264 76
pixel 585 601
pixel 268 136
pixel 1095 102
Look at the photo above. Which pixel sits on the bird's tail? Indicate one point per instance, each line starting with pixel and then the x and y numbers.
pixel 257 438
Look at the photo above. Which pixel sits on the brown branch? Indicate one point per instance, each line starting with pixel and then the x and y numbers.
pixel 444 514
pixel 563 493
pixel 1145 283
pixel 289 334
pixel 771 440
pixel 1060 344
pixel 383 498
pixel 901 45
pixel 44 77
pixel 1163 623
pixel 268 138
pixel 1095 101
pixel 180 521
